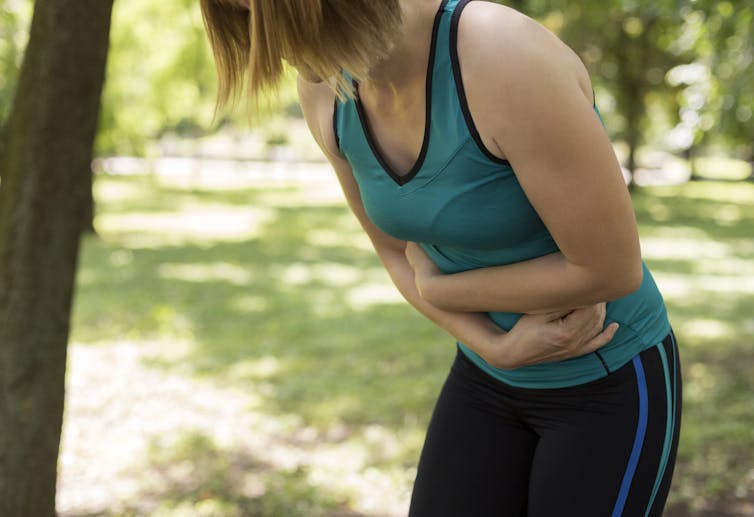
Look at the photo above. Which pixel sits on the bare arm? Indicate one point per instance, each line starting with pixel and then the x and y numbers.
pixel 565 334
pixel 473 329
pixel 534 98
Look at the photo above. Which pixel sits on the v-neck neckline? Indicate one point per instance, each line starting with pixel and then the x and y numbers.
pixel 402 179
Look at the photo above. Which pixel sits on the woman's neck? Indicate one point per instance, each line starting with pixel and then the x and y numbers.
pixel 406 63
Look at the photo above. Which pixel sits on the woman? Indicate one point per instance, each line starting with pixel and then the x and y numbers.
pixel 469 129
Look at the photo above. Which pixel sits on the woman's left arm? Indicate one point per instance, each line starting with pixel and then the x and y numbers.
pixel 536 99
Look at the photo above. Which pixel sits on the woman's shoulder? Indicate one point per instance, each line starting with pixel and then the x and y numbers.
pixel 501 45
pixel 317 101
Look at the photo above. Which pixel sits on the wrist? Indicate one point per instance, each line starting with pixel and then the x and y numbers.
pixel 498 349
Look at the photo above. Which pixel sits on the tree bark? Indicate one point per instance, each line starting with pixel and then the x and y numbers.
pixel 689 155
pixel 45 164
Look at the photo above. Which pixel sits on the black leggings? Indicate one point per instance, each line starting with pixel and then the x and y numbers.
pixel 606 448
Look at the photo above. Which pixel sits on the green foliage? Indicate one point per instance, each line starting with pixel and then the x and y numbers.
pixel 717 96
pixel 161 78
pixel 674 74
pixel 733 66
pixel 159 75
pixel 15 18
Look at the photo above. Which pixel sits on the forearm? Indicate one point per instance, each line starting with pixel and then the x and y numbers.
pixel 474 329
pixel 545 284
pixel 534 339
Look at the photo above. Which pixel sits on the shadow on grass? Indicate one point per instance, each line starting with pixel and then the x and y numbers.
pixel 313 324
pixel 193 476
pixel 723 211
pixel 302 313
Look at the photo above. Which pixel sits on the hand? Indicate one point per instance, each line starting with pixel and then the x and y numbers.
pixel 543 338
pixel 424 268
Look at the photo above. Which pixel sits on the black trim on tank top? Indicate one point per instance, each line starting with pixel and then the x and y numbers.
pixel 459 85
pixel 602 360
pixel 335 122
pixel 405 178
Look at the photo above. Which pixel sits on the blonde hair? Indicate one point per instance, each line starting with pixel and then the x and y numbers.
pixel 326 36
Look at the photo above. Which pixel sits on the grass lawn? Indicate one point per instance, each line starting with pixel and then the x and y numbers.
pixel 274 291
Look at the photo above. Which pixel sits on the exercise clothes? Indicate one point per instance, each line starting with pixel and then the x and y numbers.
pixel 591 436
pixel 601 449
pixel 467 210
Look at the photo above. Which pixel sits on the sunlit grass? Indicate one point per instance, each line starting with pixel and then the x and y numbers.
pixel 274 290
pixel 698 239
pixel 722 168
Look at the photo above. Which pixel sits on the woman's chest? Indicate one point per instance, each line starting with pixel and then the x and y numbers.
pixel 466 202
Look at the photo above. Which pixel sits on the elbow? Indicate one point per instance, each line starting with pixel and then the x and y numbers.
pixel 431 291
pixel 428 292
pixel 621 282
pixel 443 305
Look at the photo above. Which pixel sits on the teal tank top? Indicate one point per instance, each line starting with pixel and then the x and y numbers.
pixel 466 209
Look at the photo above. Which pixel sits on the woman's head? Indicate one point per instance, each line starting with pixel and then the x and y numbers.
pixel 251 38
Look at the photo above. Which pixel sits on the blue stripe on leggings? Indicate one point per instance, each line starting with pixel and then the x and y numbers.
pixel 669 426
pixel 641 429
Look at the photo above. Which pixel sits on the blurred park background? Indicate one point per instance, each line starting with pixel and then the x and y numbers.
pixel 236 348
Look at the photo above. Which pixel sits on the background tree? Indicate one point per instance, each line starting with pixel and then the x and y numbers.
pixel 730 28
pixel 716 87
pixel 45 156
pixel 13 35
pixel 628 46
pixel 165 76
pixel 671 75
pixel 678 75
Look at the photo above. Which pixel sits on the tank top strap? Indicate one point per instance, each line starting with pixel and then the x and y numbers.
pixel 448 92
pixel 446 97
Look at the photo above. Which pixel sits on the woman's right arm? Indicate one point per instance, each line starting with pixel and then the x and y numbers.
pixel 535 339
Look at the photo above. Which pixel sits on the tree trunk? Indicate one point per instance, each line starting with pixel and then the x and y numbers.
pixel 45 157
pixel 633 136
pixel 632 85
pixel 87 217
pixel 689 155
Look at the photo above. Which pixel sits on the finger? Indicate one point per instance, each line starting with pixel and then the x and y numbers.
pixel 589 315
pixel 602 338
pixel 594 325
pixel 580 318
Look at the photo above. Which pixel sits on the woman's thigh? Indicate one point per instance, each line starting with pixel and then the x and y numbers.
pixel 477 454
pixel 608 448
